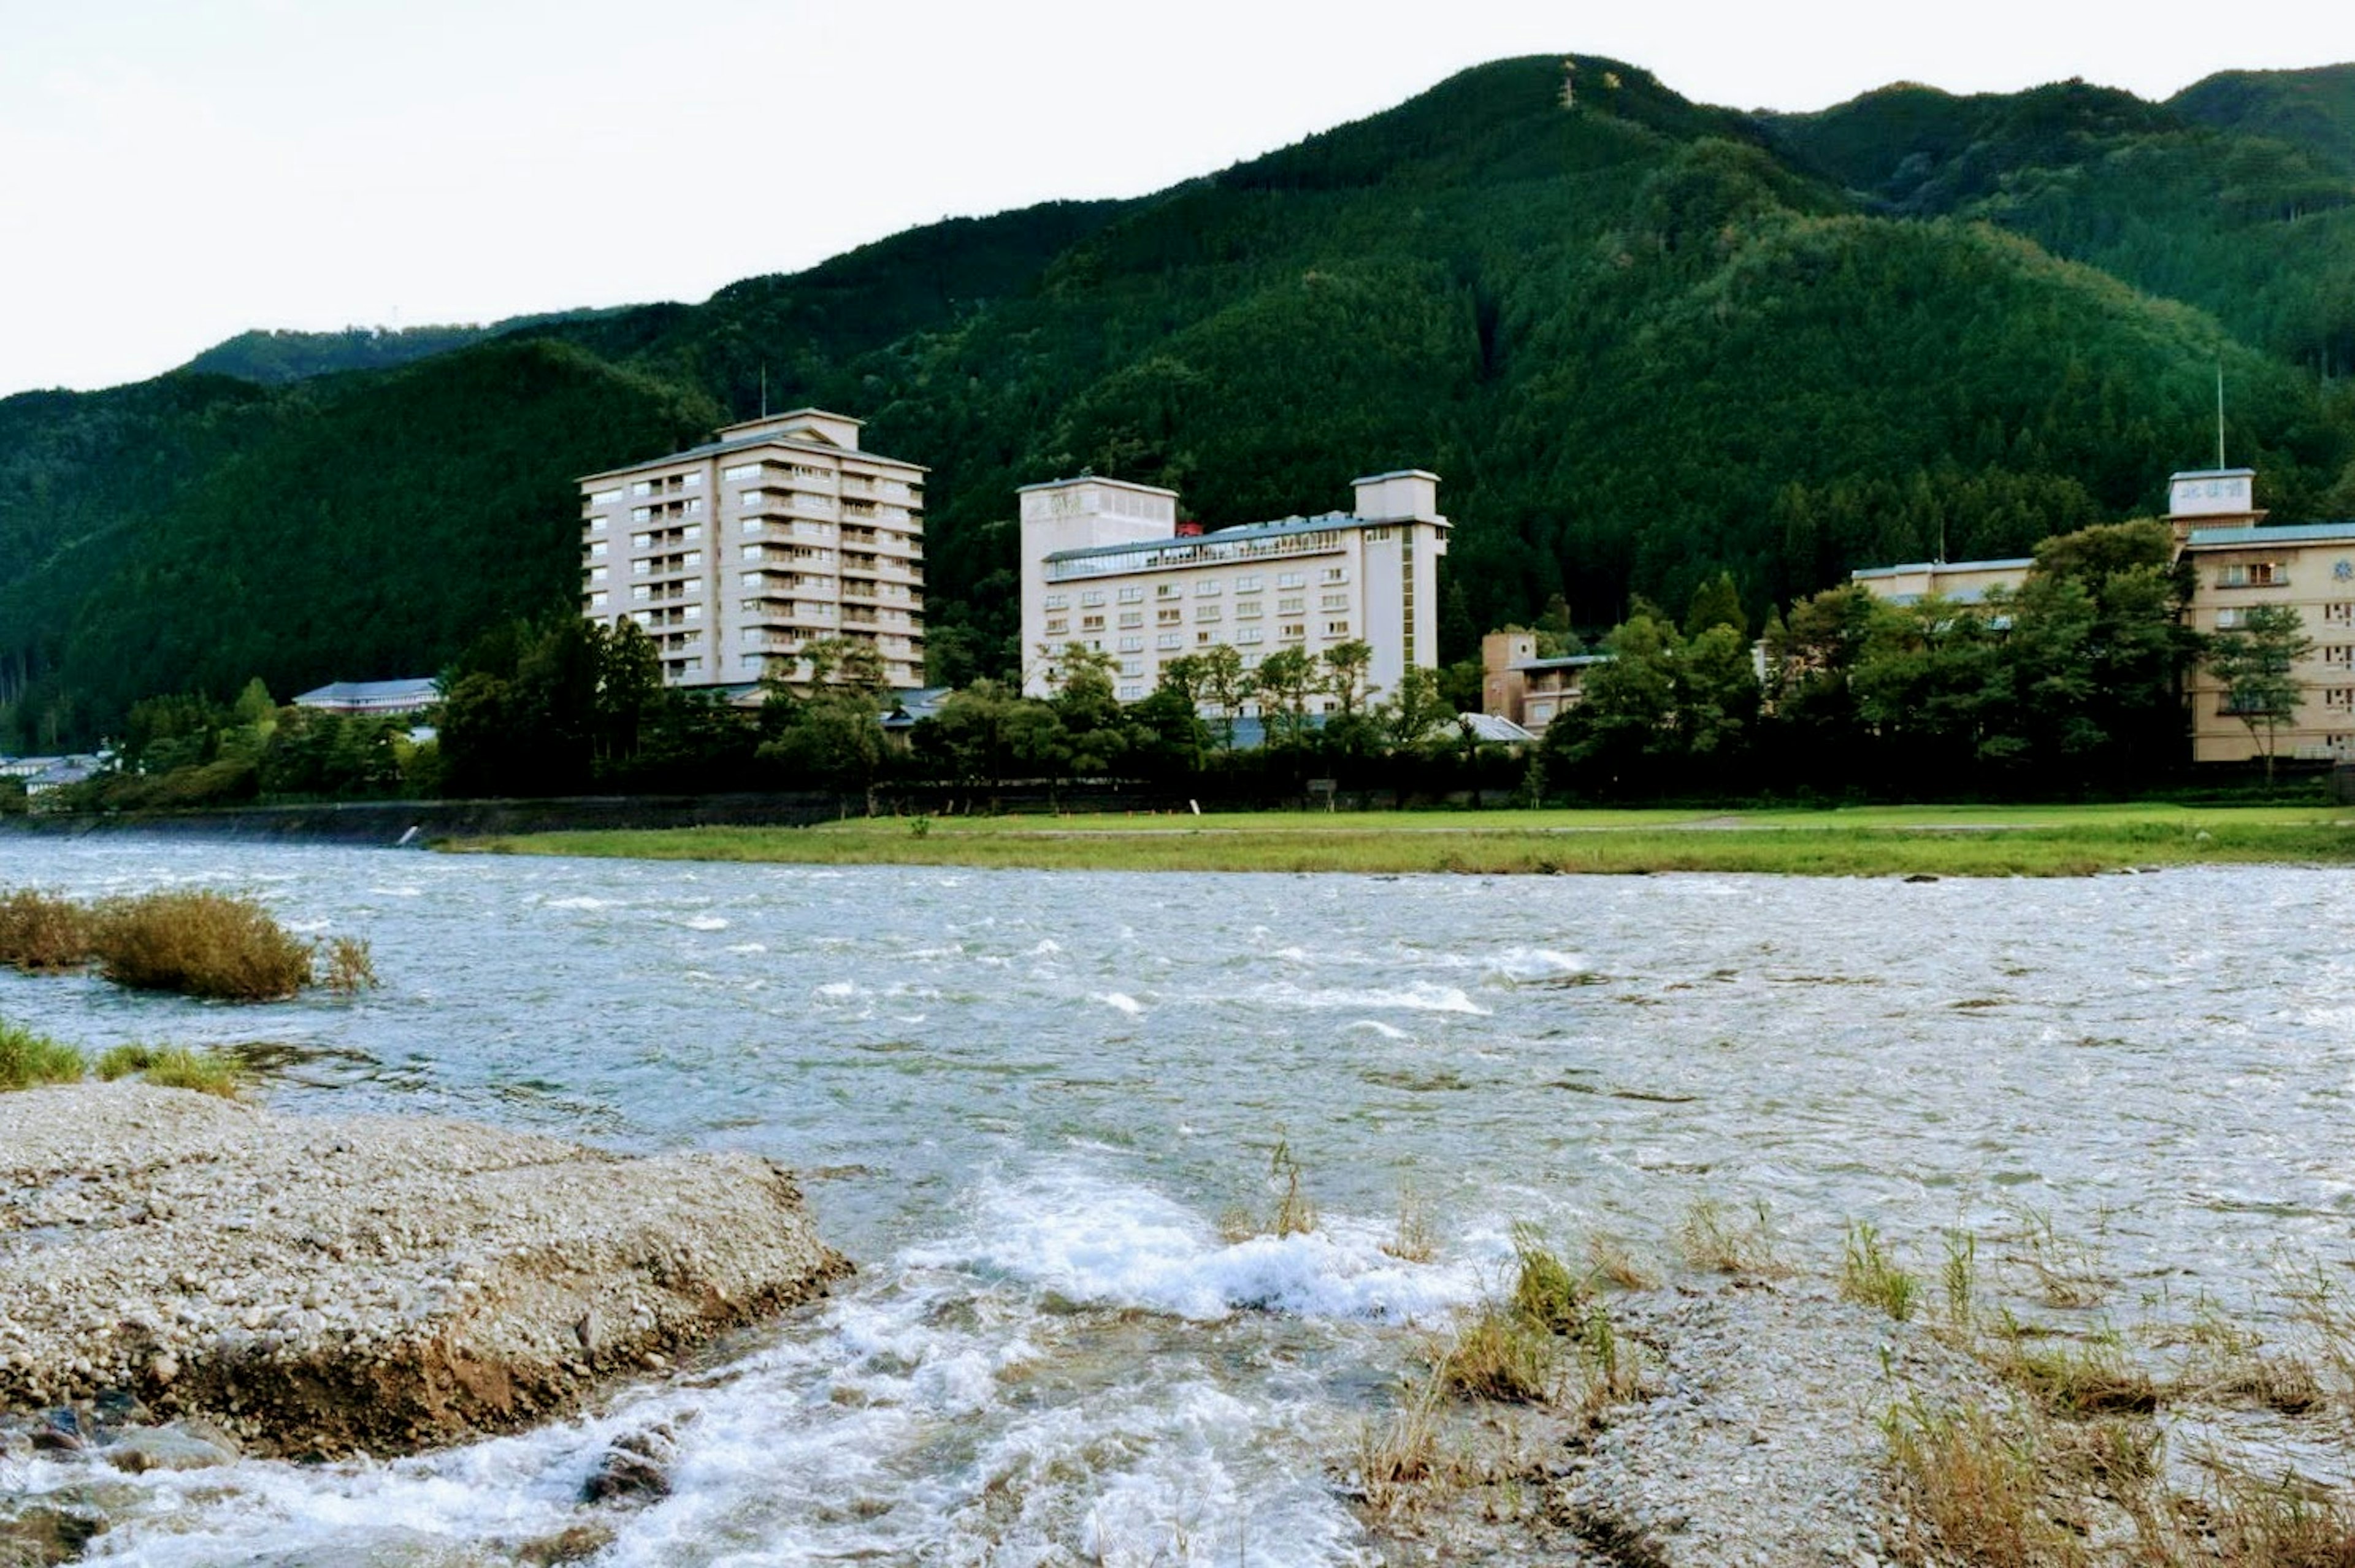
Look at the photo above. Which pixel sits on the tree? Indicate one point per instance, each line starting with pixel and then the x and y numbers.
pixel 1717 603
pixel 1284 680
pixel 2255 662
pixel 1414 710
pixel 1226 688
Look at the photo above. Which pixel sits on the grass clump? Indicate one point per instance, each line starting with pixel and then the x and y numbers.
pixel 201 944
pixel 28 1060
pixel 1711 1237
pixel 1546 1295
pixel 1977 1489
pixel 175 1067
pixel 2078 1379
pixel 1498 1354
pixel 43 935
pixel 1871 1277
pixel 1609 1259
pixel 1417 1238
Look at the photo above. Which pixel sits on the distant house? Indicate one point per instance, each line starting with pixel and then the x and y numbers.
pixel 56 772
pixel 374 698
pixel 1524 690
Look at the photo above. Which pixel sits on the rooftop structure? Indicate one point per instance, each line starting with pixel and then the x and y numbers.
pixel 1107 566
pixel 373 697
pixel 736 554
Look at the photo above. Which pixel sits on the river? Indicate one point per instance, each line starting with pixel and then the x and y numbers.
pixel 1024 1102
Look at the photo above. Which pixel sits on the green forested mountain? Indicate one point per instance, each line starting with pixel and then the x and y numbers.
pixel 274 359
pixel 1644 341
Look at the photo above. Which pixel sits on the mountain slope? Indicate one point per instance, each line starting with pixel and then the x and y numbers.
pixel 1643 341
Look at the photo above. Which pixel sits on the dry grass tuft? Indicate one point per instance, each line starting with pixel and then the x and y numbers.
pixel 1711 1238
pixel 1975 1490
pixel 1417 1241
pixel 202 944
pixel 1398 1458
pixel 1609 1260
pixel 2077 1379
pixel 28 1060
pixel 43 935
pixel 1871 1277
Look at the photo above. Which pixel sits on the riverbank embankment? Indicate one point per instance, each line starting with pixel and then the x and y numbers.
pixel 1958 841
pixel 315 1286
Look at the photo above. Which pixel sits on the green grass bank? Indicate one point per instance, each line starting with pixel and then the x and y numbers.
pixel 1948 841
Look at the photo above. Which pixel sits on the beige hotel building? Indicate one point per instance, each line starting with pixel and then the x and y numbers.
pixel 1106 565
pixel 2237 564
pixel 734 555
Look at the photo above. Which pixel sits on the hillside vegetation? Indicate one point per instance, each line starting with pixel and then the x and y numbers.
pixel 1644 341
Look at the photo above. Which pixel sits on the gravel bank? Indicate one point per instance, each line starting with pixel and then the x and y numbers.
pixel 316 1287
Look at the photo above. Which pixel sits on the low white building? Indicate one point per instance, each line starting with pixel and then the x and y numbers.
pixel 1106 565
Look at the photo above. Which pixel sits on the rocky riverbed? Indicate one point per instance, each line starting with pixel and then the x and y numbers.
pixel 312 1287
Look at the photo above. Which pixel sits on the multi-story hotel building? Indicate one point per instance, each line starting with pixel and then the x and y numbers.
pixel 2237 565
pixel 736 554
pixel 1106 565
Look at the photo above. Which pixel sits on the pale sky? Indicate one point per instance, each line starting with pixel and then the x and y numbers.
pixel 177 171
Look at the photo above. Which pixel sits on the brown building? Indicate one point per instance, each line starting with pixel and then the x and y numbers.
pixel 735 555
pixel 1530 691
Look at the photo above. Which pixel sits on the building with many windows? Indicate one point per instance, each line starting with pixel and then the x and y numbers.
pixel 735 555
pixel 2237 565
pixel 1107 566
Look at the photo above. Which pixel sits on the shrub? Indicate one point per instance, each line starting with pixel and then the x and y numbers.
pixel 1977 1490
pixel 29 1059
pixel 1711 1238
pixel 350 967
pixel 202 944
pixel 2080 1381
pixel 175 1067
pixel 39 932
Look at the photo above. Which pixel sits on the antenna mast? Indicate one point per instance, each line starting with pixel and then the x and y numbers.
pixel 2220 411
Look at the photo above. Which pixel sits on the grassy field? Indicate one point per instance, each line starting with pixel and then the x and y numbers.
pixel 1953 841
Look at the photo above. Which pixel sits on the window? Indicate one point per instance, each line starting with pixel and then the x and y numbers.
pixel 748 661
pixel 641 567
pixel 641 592
pixel 1208 587
pixel 642 514
pixel 691 480
pixel 1133 594
pixel 1336 628
pixel 694 507
pixel 692 558
pixel 597 549
pixel 1333 601
pixel 1291 632
pixel 601 498
pixel 1292 606
pixel 2341 698
pixel 1202 639
pixel 2339 654
pixel 1132 617
pixel 1058 625
pixel 2254 574
pixel 1291 580
pixel 692 613
pixel 1206 612
pixel 1169 640
pixel 1092 622
pixel 2226 620
pixel 1131 644
pixel 1131 693
pixel 596 525
pixel 641 541
pixel 2340 613
pixel 1132 667
pixel 691 665
pixel 751 578
pixel 1251 634
pixel 642 487
pixel 742 471
pixel 1092 597
pixel 1250 610
pixel 1168 590
pixel 1335 574
pixel 597 600
pixel 1168 617
pixel 1058 601
pixel 1247 585
pixel 748 499
pixel 692 531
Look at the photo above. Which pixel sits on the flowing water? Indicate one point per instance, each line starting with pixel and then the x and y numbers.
pixel 1024 1103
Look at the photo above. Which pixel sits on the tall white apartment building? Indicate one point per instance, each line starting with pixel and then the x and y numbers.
pixel 1105 565
pixel 735 554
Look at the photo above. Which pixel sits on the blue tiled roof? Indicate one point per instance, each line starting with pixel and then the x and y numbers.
pixel 2015 564
pixel 2285 533
pixel 371 693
